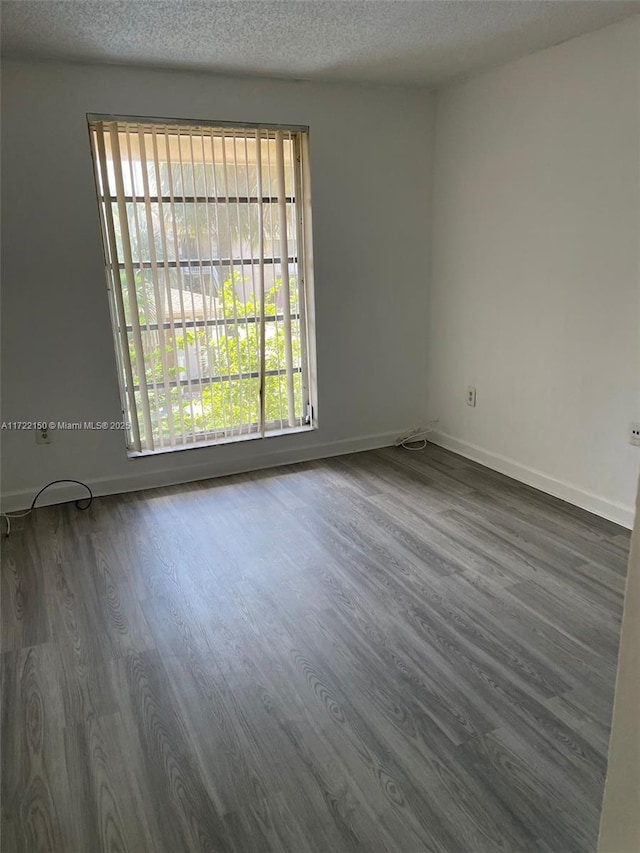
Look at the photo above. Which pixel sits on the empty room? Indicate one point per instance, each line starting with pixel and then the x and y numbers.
pixel 320 409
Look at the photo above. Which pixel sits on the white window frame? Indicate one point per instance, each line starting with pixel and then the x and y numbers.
pixel 140 439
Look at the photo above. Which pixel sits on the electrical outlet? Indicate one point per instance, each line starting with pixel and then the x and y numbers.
pixel 634 435
pixel 471 396
pixel 44 436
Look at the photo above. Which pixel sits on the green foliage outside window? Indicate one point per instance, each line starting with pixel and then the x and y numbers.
pixel 231 348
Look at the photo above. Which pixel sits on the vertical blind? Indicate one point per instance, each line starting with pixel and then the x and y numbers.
pixel 203 230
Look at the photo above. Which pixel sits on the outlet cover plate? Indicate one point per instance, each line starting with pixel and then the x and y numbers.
pixel 44 436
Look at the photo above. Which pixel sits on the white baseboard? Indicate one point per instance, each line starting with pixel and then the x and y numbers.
pixel 139 480
pixel 238 463
pixel 611 510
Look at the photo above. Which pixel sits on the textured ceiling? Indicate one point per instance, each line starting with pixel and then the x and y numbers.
pixel 404 43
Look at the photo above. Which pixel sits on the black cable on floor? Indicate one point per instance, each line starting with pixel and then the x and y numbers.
pixel 78 502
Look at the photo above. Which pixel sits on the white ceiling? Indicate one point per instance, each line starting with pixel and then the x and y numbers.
pixel 404 43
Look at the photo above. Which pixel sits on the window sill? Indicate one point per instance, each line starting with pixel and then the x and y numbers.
pixel 218 442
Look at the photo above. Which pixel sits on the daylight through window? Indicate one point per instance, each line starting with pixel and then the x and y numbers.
pixel 204 230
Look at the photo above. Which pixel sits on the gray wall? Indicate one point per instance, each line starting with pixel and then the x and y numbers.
pixel 535 286
pixel 370 172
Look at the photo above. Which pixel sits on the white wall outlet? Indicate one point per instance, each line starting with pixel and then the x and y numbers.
pixel 634 434
pixel 44 436
pixel 471 396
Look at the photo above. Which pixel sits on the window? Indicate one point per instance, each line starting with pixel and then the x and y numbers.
pixel 205 228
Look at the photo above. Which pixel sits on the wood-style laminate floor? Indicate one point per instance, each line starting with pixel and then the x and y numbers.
pixel 388 651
